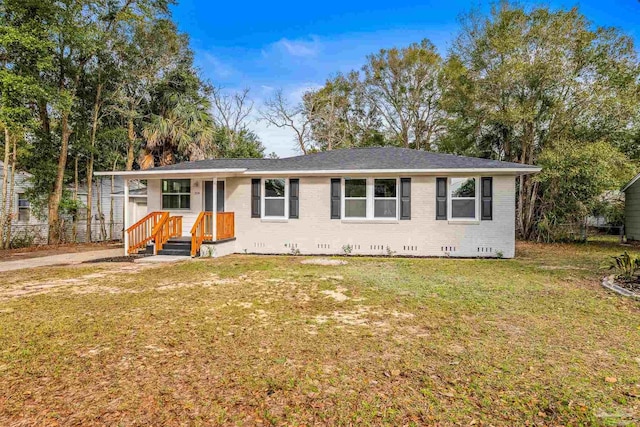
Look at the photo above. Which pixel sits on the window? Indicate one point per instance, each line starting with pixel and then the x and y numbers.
pixel 385 200
pixel 463 198
pixel 176 194
pixel 355 198
pixel 24 208
pixel 275 190
pixel 370 198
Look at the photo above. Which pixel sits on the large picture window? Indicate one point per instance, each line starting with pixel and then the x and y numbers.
pixel 275 198
pixel 463 198
pixel 370 198
pixel 355 198
pixel 176 194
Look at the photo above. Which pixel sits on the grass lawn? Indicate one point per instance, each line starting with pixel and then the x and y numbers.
pixel 250 340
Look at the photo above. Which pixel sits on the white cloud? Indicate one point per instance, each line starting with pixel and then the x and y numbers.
pixel 214 67
pixel 298 48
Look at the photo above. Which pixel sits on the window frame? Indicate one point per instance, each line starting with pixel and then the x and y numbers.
pixel 370 200
pixel 264 198
pixel 476 198
pixel 397 188
pixel 26 208
pixel 345 198
pixel 162 194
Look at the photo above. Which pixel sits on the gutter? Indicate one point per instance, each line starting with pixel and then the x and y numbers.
pixel 494 171
pixel 151 172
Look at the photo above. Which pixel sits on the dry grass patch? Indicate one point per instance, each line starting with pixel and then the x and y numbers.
pixel 246 340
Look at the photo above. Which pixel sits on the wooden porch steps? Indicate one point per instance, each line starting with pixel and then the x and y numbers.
pixel 177 246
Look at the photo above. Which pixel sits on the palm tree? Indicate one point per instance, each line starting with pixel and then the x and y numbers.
pixel 181 126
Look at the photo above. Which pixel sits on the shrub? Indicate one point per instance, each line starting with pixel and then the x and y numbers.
pixel 626 265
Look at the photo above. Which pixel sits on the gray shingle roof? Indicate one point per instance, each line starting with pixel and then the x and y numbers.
pixel 387 158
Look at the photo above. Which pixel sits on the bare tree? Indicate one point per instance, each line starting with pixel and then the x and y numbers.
pixel 231 112
pixel 403 86
pixel 282 114
pixel 325 110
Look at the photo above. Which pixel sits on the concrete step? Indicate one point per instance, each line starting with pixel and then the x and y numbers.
pixel 175 252
pixel 177 245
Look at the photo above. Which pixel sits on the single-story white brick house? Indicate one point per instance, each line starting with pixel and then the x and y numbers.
pixel 370 201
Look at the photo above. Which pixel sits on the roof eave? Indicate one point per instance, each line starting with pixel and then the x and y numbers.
pixel 494 171
pixel 141 174
pixel 630 183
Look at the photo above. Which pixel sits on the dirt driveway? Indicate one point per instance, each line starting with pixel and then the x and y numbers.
pixel 59 259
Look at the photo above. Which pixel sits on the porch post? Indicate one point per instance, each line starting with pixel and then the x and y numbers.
pixel 214 217
pixel 125 237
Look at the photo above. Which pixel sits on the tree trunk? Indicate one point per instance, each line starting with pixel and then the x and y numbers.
pixel 74 229
pixel 5 175
pixel 113 184
pixel 94 128
pixel 56 195
pixel 7 242
pixel 527 195
pixel 103 231
pixel 131 134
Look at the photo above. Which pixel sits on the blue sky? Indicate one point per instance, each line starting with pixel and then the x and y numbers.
pixel 296 46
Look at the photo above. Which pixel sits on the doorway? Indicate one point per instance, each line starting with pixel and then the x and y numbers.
pixel 208 196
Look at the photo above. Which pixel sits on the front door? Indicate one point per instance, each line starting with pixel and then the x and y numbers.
pixel 220 197
pixel 208 196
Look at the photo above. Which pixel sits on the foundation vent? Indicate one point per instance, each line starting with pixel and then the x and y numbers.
pixel 291 245
pixel 448 248
pixel 484 250
pixel 259 245
pixel 410 248
pixel 376 247
pixel 324 246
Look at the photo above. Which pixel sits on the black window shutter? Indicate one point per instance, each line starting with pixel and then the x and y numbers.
pixel 405 198
pixel 487 198
pixel 335 198
pixel 441 198
pixel 255 198
pixel 294 197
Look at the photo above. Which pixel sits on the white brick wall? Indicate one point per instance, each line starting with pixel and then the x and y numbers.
pixel 316 233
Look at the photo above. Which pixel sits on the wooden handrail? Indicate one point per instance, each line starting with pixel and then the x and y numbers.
pixel 225 225
pixel 156 226
pixel 167 227
pixel 202 230
pixel 141 232
pixel 175 226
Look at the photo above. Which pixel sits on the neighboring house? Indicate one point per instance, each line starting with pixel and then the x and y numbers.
pixel 372 201
pixel 107 210
pixel 22 218
pixel 632 209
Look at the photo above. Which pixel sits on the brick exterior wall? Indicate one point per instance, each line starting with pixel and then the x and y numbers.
pixel 316 233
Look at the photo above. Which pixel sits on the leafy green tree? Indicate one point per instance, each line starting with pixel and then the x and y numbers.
pixel 143 61
pixel 341 116
pixel 574 176
pixel 243 144
pixel 403 86
pixel 518 80
pixel 393 100
pixel 24 54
